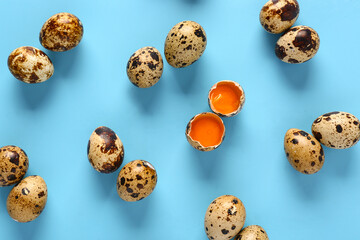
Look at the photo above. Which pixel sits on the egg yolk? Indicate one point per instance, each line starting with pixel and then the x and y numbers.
pixel 207 129
pixel 225 98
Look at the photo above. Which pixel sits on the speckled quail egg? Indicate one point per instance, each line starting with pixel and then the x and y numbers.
pixel 61 32
pixel 297 45
pixel 338 130
pixel 145 67
pixel 27 199
pixel 30 65
pixel 253 232
pixel 13 165
pixel 276 16
pixel 224 217
pixel 105 150
pixel 136 180
pixel 303 151
pixel 185 44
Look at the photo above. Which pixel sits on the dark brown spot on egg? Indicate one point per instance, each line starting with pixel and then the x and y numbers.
pixel 134 195
pixel 14 157
pixel 235 201
pixel 306 172
pixel 318 120
pixel 312 163
pixel 313 143
pixel 140 186
pixel 224 231
pixel 339 129
pixel 330 113
pixel 303 40
pixel 11 177
pixel 152 66
pixel 280 52
pixel 317 135
pixel 25 191
pixel 356 123
pixel 13 170
pixel 199 33
pixel 305 134
pixel 109 138
pixel 296 161
pixel 129 190
pixel 320 158
pixel 138 177
pixel 122 181
pixel 41 194
pixel 292 60
pixel 289 11
pixel 294 141
pixel 135 62
pixel 154 56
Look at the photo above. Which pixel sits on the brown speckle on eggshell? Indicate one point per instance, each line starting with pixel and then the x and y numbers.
pixel 145 67
pixel 13 165
pixel 253 232
pixel 27 199
pixel 303 151
pixel 30 65
pixel 276 16
pixel 185 43
pixel 224 218
pixel 105 150
pixel 299 44
pixel 61 32
pixel 338 130
pixel 136 180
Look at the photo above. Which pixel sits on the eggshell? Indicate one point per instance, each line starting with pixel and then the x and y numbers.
pixel 338 130
pixel 185 44
pixel 253 232
pixel 27 199
pixel 276 16
pixel 303 151
pixel 196 144
pixel 105 150
pixel 30 65
pixel 61 32
pixel 136 180
pixel 145 67
pixel 13 165
pixel 241 99
pixel 224 218
pixel 299 44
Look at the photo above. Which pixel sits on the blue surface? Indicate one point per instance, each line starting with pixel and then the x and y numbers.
pixel 53 121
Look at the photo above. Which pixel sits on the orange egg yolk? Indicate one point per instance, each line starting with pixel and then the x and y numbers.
pixel 207 129
pixel 225 98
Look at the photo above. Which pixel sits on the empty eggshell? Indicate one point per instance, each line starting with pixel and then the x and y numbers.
pixel 205 131
pixel 136 180
pixel 105 150
pixel 299 44
pixel 185 44
pixel 253 232
pixel 276 16
pixel 224 218
pixel 30 65
pixel 61 32
pixel 13 165
pixel 303 151
pixel 27 199
pixel 226 98
pixel 145 67
pixel 338 130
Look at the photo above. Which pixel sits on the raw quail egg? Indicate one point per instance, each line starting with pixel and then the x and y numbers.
pixel 224 218
pixel 205 131
pixel 297 45
pixel 61 32
pixel 303 151
pixel 30 65
pixel 279 15
pixel 253 232
pixel 185 44
pixel 136 181
pixel 27 199
pixel 226 98
pixel 145 67
pixel 13 165
pixel 338 130
pixel 105 150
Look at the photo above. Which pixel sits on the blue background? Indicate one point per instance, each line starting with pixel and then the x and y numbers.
pixel 53 121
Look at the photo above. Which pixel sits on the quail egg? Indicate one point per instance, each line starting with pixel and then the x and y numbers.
pixel 13 165
pixel 145 67
pixel 27 199
pixel 253 232
pixel 185 44
pixel 136 180
pixel 105 150
pixel 337 130
pixel 30 65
